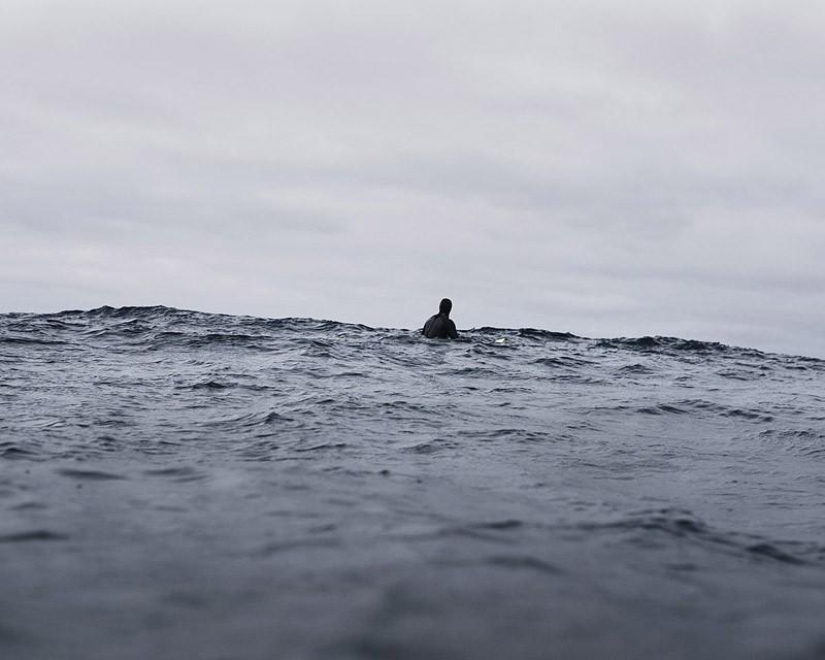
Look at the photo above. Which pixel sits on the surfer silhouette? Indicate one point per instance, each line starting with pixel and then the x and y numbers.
pixel 440 326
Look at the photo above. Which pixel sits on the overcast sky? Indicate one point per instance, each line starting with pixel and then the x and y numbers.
pixel 604 168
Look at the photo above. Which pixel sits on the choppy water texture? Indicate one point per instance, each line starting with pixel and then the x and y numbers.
pixel 184 485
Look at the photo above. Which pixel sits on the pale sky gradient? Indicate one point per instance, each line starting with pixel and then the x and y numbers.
pixel 604 168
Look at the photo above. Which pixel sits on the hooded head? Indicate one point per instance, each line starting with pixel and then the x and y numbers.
pixel 445 306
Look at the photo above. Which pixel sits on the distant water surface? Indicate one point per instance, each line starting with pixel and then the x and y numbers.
pixel 181 485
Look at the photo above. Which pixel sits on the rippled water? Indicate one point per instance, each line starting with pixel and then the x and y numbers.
pixel 184 485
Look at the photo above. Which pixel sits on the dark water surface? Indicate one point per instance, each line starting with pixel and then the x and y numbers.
pixel 183 485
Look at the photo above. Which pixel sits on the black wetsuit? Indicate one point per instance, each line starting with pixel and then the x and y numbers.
pixel 439 326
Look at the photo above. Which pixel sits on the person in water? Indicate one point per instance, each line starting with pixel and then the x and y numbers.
pixel 440 326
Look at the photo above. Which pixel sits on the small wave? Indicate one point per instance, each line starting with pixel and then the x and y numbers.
pixel 474 372
pixel 752 415
pixel 250 420
pixel 29 506
pixel 664 344
pixel 132 327
pixel 431 447
pixel 170 336
pixel 509 435
pixel 684 526
pixel 564 362
pixel 322 447
pixel 510 523
pixel 154 311
pixel 210 385
pixel 89 475
pixel 31 341
pixel 744 375
pixel 226 338
pixel 770 551
pixel 813 364
pixel 403 405
pixel 179 474
pixel 12 450
pixel 800 442
pixel 634 370
pixel 33 535
pixel 108 443
pixel 548 335
pixel 723 410
pixel 663 409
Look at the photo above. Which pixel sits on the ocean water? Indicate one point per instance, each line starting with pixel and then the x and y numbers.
pixel 183 485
